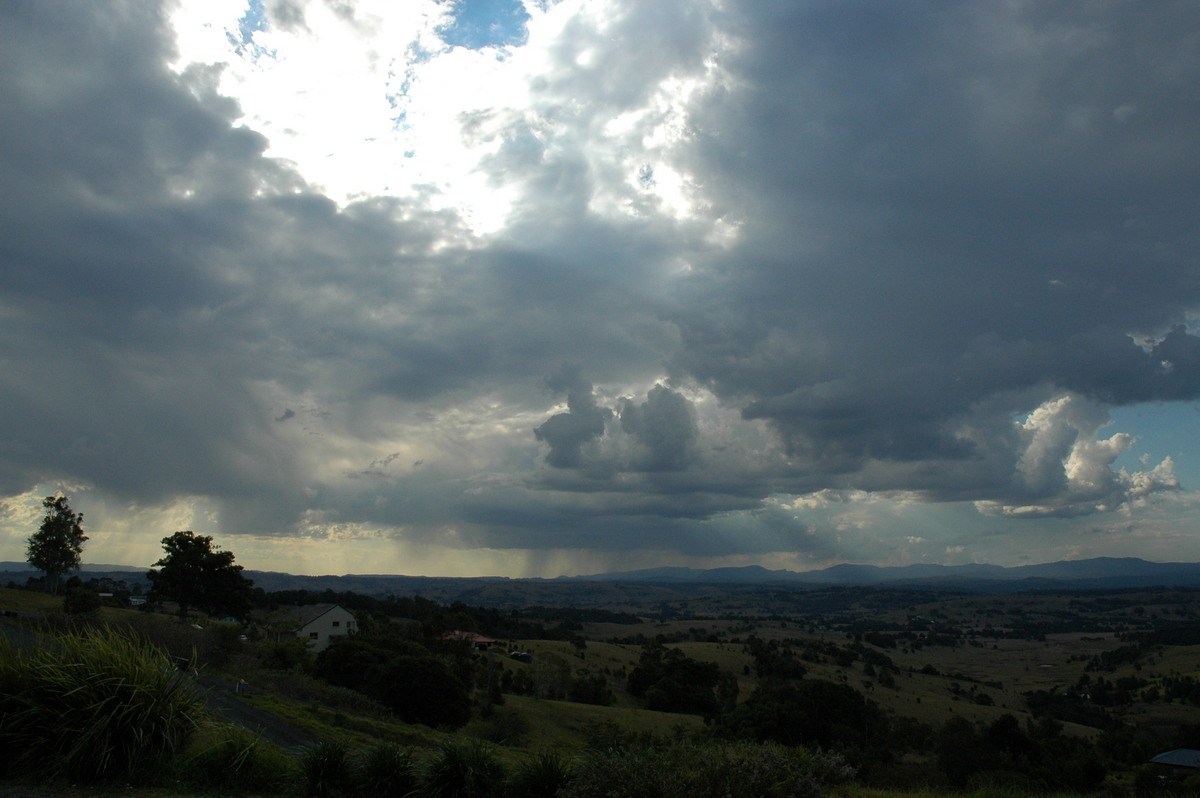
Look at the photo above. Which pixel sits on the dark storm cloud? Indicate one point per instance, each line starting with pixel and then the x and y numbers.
pixel 567 433
pixel 158 270
pixel 943 208
pixel 162 280
pixel 664 425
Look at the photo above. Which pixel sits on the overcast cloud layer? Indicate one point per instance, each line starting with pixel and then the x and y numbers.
pixel 482 288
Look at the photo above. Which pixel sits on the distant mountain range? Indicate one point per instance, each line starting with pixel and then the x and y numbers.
pixel 1117 573
pixel 1100 572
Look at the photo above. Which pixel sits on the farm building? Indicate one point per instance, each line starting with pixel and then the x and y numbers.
pixel 477 641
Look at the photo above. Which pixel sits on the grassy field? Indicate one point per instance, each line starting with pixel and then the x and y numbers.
pixel 1050 661
pixel 567 726
pixel 28 601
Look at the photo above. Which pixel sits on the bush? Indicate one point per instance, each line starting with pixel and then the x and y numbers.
pixel 421 690
pixel 290 654
pixel 385 770
pixel 326 770
pixel 93 705
pixel 81 601
pixel 463 769
pixel 539 776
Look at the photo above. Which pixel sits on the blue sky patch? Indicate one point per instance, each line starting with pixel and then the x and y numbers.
pixel 486 23
pixel 251 22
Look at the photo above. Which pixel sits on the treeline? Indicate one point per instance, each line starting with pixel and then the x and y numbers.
pixel 540 623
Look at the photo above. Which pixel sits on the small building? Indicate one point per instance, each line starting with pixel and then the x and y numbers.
pixel 321 624
pixel 477 641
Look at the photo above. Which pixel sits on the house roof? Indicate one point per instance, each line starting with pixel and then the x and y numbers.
pixel 310 612
pixel 1179 758
pixel 478 639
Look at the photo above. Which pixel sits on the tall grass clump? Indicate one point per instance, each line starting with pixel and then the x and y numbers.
pixel 91 705
pixel 463 769
pixel 326 770
pixel 385 771
pixel 539 776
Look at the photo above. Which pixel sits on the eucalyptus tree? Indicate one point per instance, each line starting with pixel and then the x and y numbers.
pixel 57 547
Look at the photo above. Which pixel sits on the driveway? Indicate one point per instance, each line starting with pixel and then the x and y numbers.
pixel 221 698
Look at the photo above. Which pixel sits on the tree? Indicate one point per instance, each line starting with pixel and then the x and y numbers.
pixel 78 600
pixel 57 547
pixel 809 712
pixel 194 574
pixel 669 681
pixel 420 689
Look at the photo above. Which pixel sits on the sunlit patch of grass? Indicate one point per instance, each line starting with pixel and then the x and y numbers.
pixel 558 725
pixel 229 758
pixel 28 601
pixel 351 730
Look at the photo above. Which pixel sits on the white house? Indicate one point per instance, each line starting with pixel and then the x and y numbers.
pixel 321 624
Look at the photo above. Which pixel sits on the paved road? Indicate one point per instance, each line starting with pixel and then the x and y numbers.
pixel 219 693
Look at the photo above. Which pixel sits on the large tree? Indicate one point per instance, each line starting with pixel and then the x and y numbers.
pixel 195 574
pixel 57 547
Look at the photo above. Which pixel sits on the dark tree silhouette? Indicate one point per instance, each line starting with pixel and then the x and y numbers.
pixel 809 712
pixel 57 547
pixel 194 574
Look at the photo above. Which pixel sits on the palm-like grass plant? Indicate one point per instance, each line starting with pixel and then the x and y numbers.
pixel 92 705
pixel 326 769
pixel 540 775
pixel 386 771
pixel 463 769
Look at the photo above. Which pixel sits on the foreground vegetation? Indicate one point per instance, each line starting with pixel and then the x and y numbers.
pixel 98 706
pixel 928 696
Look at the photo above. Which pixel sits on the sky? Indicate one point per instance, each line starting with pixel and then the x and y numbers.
pixel 492 287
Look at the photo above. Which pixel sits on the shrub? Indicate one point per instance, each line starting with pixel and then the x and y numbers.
pixel 81 601
pixel 290 654
pixel 463 769
pixel 92 705
pixel 539 776
pixel 421 690
pixel 326 769
pixel 385 770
